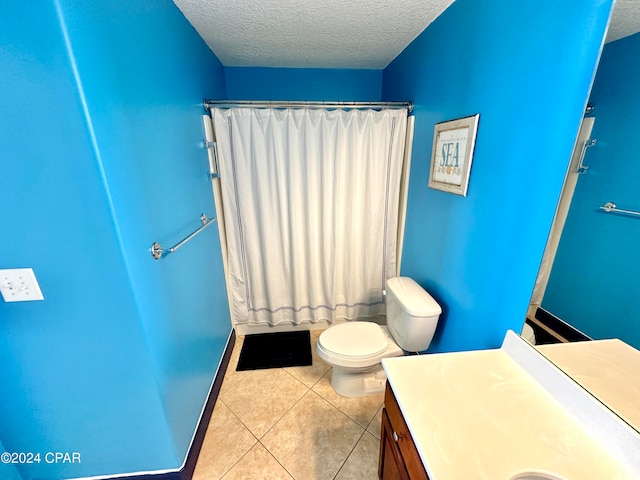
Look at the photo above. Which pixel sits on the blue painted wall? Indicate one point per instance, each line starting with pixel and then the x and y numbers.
pixel 9 471
pixel 101 155
pixel 594 280
pixel 479 255
pixel 248 83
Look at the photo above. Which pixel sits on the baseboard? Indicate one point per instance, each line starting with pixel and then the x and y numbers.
pixel 201 429
pixel 544 335
pixel 186 472
pixel 254 328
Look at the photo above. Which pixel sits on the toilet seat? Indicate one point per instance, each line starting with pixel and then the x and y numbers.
pixel 356 344
pixel 356 339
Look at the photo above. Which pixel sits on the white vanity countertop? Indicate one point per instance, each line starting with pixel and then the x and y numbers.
pixel 610 369
pixel 479 415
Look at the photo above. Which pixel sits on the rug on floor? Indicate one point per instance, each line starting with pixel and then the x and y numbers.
pixel 274 350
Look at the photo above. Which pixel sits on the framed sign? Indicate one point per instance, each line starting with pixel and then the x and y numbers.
pixel 452 153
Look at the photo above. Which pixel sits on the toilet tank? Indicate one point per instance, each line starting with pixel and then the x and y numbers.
pixel 412 314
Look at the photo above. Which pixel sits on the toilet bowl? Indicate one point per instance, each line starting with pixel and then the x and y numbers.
pixel 355 349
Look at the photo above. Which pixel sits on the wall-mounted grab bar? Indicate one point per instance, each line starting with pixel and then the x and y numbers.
pixel 157 251
pixel 611 207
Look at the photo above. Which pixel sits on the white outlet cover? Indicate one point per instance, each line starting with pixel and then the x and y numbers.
pixel 19 285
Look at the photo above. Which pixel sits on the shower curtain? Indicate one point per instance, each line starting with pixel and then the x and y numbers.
pixel 310 199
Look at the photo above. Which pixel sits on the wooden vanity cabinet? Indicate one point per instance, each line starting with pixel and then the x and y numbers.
pixel 399 458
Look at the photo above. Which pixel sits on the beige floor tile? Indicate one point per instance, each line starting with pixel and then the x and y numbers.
pixel 376 424
pixel 262 397
pixel 362 464
pixel 313 439
pixel 231 376
pixel 360 409
pixel 258 464
pixel 225 442
pixel 311 374
pixel 317 333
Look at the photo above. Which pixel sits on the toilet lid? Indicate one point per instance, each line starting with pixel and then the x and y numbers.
pixel 357 339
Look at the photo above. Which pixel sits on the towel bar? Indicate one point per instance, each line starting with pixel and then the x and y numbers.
pixel 157 251
pixel 611 207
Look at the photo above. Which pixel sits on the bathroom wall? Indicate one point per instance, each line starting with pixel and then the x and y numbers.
pixel 102 155
pixel 144 89
pixel 526 69
pixel 247 83
pixel 9 471
pixel 594 282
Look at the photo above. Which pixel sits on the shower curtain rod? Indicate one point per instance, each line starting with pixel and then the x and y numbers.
pixel 300 104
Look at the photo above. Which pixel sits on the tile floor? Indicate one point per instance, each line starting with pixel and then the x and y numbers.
pixel 288 423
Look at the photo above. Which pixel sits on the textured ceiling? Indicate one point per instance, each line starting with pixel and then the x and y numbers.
pixel 330 33
pixel 310 33
pixel 625 20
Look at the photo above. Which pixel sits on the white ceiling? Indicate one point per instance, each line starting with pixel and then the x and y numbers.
pixel 330 33
pixel 310 33
pixel 625 20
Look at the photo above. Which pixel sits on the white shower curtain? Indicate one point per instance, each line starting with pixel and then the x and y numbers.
pixel 311 210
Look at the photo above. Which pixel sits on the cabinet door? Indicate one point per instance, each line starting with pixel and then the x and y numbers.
pixel 401 439
pixel 390 466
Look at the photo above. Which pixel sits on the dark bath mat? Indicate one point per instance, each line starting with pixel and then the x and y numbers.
pixel 273 350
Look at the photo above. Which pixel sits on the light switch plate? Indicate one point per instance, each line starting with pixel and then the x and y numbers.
pixel 19 285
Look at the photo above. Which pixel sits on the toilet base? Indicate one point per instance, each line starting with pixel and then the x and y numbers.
pixel 353 383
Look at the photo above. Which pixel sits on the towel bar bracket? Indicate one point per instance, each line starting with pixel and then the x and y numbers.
pixel 582 168
pixel 214 170
pixel 611 207
pixel 156 250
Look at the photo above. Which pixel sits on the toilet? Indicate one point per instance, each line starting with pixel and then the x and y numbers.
pixel 355 349
pixel 529 334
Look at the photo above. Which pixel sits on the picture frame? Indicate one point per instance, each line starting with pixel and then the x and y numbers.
pixel 452 153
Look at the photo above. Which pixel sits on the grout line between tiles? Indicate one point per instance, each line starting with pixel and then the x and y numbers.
pixel 365 429
pixel 239 459
pixel 314 383
pixel 285 413
pixel 257 440
pixel 349 456
pixel 374 417
pixel 239 420
pixel 274 457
